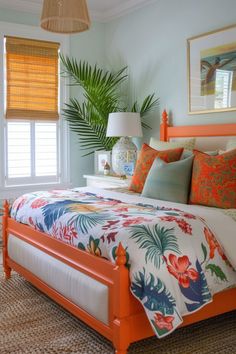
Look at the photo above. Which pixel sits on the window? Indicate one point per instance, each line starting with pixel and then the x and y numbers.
pixel 32 112
pixel 32 152
pixel 31 79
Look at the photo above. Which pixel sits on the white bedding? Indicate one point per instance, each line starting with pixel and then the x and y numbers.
pixel 221 221
pixel 176 264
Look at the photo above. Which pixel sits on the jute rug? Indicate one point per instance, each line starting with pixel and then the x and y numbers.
pixel 31 323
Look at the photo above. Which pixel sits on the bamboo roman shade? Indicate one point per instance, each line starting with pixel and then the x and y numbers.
pixel 32 79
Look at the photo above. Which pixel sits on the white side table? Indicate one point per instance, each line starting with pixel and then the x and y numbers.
pixel 106 181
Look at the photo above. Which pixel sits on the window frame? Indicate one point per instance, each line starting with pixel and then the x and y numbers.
pixel 32 180
pixel 10 29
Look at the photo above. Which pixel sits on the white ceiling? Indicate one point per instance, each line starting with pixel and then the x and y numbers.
pixel 100 10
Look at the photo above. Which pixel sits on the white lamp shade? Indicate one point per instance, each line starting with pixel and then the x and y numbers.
pixel 124 124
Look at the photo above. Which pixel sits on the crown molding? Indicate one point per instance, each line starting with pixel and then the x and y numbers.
pixel 123 9
pixel 22 5
pixel 100 16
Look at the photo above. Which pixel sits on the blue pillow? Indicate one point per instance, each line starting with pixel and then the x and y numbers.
pixel 169 181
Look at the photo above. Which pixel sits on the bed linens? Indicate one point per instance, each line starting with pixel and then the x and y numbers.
pixel 176 263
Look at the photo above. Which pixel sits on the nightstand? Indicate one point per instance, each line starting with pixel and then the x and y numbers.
pixel 106 181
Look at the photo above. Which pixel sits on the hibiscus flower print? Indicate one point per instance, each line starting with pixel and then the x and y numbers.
pixel 179 268
pixel 213 244
pixel 38 203
pixel 163 322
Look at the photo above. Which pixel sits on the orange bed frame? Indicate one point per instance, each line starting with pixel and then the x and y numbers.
pixel 127 320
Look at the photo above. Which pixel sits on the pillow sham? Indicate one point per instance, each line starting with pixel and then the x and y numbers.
pixel 214 180
pixel 188 153
pixel 169 181
pixel 145 160
pixel 164 145
pixel 231 144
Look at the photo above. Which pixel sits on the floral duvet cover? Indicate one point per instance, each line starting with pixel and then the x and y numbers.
pixel 176 263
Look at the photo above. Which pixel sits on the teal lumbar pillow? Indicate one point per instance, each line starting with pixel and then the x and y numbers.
pixel 169 181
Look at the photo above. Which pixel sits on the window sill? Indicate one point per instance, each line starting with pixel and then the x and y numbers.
pixel 15 191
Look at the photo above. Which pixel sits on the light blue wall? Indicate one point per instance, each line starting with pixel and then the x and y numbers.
pixel 84 46
pixel 152 42
pixel 18 17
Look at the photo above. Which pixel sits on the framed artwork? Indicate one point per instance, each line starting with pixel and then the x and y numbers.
pixel 100 158
pixel 212 71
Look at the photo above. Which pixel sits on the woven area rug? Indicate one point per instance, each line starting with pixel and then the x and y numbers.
pixel 31 323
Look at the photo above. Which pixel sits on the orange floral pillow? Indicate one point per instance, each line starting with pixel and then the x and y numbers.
pixel 214 180
pixel 146 157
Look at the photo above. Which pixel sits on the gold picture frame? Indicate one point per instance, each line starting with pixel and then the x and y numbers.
pixel 211 59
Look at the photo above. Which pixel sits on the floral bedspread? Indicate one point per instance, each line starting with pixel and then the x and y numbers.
pixel 176 263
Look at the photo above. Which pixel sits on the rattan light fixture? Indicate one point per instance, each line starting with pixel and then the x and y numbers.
pixel 65 16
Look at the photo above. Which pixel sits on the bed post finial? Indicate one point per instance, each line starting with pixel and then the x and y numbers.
pixel 164 126
pixel 7 269
pixel 120 255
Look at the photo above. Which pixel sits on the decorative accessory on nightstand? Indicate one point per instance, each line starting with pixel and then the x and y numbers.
pixel 65 16
pixel 124 125
pixel 107 169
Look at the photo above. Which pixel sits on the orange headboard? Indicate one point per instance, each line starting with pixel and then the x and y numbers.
pixel 167 132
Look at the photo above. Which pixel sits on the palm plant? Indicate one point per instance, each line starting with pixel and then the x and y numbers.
pixel 101 96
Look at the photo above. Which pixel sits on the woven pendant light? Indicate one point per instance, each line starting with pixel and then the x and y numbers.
pixel 65 16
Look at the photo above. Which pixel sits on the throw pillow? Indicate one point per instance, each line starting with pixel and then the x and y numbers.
pixel 214 180
pixel 164 145
pixel 188 153
pixel 231 144
pixel 146 157
pixel 169 181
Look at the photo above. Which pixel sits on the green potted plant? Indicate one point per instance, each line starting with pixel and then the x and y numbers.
pixel 101 95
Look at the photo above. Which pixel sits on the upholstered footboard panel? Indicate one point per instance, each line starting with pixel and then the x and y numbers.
pixel 82 290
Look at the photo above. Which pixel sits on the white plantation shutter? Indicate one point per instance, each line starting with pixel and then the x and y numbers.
pixel 18 149
pixel 32 152
pixel 45 149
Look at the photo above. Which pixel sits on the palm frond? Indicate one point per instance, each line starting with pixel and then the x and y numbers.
pixel 153 293
pixel 84 222
pixel 102 95
pixel 148 105
pixel 155 240
pixel 92 134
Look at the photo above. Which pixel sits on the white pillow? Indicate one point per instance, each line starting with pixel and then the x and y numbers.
pixel 166 145
pixel 231 144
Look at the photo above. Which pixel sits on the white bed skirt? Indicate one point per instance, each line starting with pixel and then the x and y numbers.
pixel 82 290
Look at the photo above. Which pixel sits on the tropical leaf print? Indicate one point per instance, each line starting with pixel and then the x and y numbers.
pixel 156 241
pixel 153 293
pixel 217 271
pixel 54 211
pixel 204 250
pixel 84 222
pixel 197 292
pixel 92 247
